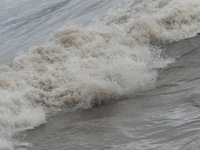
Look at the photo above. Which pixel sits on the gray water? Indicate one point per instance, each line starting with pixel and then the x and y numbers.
pixel 26 23
pixel 165 116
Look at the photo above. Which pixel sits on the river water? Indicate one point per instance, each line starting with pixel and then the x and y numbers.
pixel 100 74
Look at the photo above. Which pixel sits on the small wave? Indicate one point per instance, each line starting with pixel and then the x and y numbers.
pixel 158 21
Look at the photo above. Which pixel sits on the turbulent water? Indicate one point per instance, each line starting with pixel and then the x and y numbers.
pixel 138 62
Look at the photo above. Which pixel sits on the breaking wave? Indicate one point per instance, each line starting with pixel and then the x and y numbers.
pixel 112 58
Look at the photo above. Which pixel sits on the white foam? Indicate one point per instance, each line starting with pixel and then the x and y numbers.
pixel 158 20
pixel 5 145
pixel 82 66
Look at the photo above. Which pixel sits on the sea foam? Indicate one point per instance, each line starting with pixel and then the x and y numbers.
pixel 79 67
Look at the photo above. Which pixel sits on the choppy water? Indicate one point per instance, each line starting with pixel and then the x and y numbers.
pixel 138 65
pixel 26 23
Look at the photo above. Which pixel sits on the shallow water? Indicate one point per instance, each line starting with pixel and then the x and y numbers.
pixel 129 80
